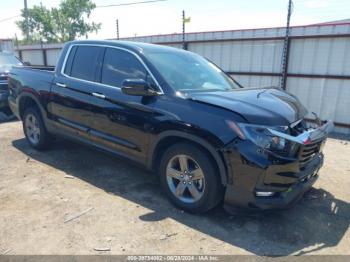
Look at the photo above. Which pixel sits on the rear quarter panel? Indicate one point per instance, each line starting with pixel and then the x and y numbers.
pixel 33 83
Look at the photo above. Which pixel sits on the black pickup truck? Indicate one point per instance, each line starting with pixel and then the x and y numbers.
pixel 176 113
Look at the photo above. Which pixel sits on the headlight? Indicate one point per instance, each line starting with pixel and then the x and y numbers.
pixel 262 137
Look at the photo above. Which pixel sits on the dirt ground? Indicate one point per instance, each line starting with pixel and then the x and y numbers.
pixel 122 208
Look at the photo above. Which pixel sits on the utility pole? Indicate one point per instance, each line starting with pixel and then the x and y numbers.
pixel 117 27
pixel 286 45
pixel 26 18
pixel 184 21
pixel 16 41
pixel 183 30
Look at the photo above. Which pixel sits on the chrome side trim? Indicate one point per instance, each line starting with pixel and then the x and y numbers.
pixel 73 125
pixel 161 92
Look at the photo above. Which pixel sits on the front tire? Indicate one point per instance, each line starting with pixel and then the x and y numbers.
pixel 34 129
pixel 189 179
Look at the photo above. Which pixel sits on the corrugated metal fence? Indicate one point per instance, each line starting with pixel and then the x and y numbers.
pixel 6 45
pixel 318 68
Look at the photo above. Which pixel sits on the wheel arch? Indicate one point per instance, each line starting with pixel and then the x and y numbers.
pixel 28 100
pixel 169 138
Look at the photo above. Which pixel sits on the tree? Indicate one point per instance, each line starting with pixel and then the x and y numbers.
pixel 61 24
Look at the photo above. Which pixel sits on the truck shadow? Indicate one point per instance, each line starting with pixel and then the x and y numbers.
pixel 6 116
pixel 319 221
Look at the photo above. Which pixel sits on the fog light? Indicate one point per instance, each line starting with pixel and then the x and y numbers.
pixel 264 194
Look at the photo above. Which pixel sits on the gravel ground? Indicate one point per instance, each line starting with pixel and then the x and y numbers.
pixel 122 209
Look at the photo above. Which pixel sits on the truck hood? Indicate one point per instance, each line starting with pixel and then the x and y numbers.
pixel 263 106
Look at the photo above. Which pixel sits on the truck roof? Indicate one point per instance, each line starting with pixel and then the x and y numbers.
pixel 133 46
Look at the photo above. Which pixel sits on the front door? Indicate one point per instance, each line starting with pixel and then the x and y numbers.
pixel 121 123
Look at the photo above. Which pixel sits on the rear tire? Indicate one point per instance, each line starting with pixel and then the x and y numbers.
pixel 189 178
pixel 34 129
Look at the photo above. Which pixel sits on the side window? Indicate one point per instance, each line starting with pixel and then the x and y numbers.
pixel 119 65
pixel 68 66
pixel 85 62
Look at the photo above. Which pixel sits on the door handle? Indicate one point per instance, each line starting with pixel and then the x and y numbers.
pixel 61 85
pixel 102 96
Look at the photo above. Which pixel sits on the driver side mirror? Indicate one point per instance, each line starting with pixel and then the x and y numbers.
pixel 137 87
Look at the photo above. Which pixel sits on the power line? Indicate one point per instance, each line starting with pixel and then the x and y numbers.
pixel 99 6
pixel 132 3
pixel 9 18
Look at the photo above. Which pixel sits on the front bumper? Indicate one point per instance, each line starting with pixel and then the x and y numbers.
pixel 258 179
pixel 286 194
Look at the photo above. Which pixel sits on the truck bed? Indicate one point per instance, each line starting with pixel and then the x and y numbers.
pixel 35 81
pixel 42 68
pixel 33 77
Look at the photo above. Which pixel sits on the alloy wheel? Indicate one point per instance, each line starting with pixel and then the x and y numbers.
pixel 32 129
pixel 185 178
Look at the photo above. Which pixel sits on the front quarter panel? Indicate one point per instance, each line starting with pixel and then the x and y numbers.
pixel 199 119
pixel 201 123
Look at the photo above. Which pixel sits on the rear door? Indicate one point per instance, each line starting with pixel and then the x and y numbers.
pixel 72 89
pixel 121 123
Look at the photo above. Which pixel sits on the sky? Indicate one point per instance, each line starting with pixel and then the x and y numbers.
pixel 206 15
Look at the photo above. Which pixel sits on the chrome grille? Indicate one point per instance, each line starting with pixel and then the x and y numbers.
pixel 309 151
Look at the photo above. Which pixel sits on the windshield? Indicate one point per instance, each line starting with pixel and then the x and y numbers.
pixel 9 59
pixel 189 72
